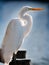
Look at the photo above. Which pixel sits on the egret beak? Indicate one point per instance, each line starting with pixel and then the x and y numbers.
pixel 36 9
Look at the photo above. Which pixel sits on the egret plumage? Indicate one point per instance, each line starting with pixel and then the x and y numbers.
pixel 16 31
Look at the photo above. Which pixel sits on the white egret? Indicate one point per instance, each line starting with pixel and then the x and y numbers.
pixel 17 30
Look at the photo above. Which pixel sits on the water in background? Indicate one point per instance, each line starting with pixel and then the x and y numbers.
pixel 37 43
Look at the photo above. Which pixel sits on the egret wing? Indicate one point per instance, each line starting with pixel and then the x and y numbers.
pixel 12 39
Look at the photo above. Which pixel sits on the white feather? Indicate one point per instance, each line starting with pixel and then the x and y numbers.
pixel 15 34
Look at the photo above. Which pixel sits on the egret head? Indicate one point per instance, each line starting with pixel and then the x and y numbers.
pixel 28 8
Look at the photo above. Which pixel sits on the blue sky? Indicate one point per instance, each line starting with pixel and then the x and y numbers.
pixel 37 43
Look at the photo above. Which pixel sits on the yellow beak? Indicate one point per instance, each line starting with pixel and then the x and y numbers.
pixel 36 9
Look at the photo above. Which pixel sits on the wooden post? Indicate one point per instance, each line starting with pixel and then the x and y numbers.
pixel 1 56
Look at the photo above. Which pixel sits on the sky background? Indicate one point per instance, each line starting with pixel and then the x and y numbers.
pixel 37 43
